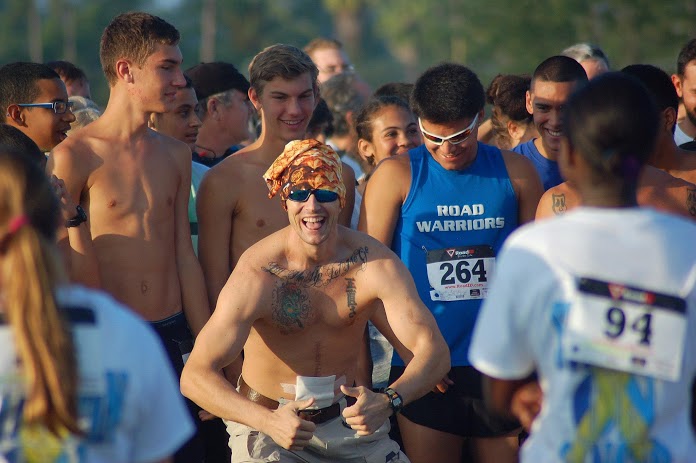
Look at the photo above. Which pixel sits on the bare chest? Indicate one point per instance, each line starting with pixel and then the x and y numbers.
pixel 134 187
pixel 334 296
pixel 256 212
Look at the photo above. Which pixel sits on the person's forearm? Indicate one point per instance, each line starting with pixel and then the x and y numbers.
pixel 79 257
pixel 213 393
pixel 194 298
pixel 423 372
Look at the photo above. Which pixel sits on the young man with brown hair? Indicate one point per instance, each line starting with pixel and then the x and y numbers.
pixel 134 185
pixel 233 209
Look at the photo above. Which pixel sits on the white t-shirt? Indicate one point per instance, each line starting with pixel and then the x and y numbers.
pixel 568 286
pixel 129 401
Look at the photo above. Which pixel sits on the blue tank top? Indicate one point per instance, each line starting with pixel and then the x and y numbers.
pixel 547 169
pixel 451 226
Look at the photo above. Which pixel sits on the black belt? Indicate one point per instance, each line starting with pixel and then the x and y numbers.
pixel 317 416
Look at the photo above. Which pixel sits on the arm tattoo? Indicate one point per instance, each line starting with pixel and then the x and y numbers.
pixel 558 203
pixel 290 307
pixel 691 201
pixel 350 293
pixel 321 275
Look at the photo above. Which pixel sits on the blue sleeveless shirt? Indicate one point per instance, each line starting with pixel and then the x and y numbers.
pixel 547 169
pixel 451 226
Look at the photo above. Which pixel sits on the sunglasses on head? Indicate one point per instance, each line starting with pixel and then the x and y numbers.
pixel 323 196
pixel 454 139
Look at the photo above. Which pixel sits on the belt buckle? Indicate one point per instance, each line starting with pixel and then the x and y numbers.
pixel 309 414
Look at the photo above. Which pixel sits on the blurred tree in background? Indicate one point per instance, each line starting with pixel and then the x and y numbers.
pixel 388 40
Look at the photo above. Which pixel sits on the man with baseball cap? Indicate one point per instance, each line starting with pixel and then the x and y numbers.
pixel 222 94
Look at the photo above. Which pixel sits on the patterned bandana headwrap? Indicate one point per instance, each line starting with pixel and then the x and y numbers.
pixel 305 165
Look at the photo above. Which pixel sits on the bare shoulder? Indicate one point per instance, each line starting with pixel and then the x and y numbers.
pixel 241 167
pixel 76 156
pixel 658 189
pixel 392 175
pixel 170 145
pixel 556 201
pixel 518 166
pixel 366 248
pixel 394 165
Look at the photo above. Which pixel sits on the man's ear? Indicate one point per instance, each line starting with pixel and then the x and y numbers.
pixel 676 81
pixel 123 71
pixel 254 98
pixel 15 116
pixel 528 102
pixel 670 118
pixel 211 107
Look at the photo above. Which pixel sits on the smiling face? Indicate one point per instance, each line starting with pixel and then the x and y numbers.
pixel 286 106
pixel 545 101
pixel 686 89
pixel 156 83
pixel 394 131
pixel 182 123
pixel 43 125
pixel 449 156
pixel 312 221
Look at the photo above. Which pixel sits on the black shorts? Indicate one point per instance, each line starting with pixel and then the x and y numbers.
pixel 461 410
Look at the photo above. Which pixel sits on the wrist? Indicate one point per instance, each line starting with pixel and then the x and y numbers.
pixel 79 217
pixel 395 401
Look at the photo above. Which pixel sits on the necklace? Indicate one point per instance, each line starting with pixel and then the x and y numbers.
pixel 206 152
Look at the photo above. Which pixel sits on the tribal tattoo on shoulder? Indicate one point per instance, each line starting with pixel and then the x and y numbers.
pixel 321 275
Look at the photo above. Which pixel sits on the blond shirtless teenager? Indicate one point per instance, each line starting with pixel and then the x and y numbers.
pixel 298 302
pixel 134 184
pixel 234 211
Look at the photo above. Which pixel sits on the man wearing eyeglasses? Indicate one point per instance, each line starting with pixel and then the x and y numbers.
pixel 552 83
pixel 34 100
pixel 445 208
pixel 298 303
pixel 331 59
pixel 329 56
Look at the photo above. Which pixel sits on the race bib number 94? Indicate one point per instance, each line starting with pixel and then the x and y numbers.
pixel 626 328
pixel 460 273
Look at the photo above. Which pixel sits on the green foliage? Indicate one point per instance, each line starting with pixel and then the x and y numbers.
pixel 388 40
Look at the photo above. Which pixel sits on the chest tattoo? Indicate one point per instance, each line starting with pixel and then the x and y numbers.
pixel 350 294
pixel 691 200
pixel 290 307
pixel 321 275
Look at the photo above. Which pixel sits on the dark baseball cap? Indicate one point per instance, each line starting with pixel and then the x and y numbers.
pixel 216 77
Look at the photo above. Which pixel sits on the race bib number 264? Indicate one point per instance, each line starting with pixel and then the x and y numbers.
pixel 460 273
